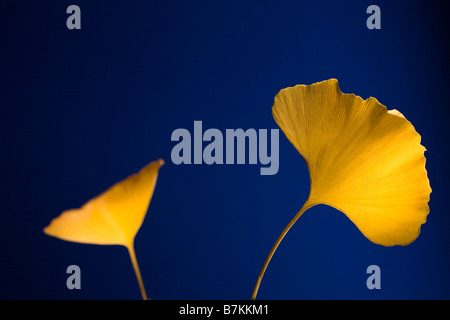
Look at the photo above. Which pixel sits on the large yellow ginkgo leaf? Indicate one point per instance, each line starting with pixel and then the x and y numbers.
pixel 362 159
pixel 112 218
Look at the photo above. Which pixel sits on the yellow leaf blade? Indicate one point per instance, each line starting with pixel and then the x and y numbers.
pixel 363 160
pixel 114 217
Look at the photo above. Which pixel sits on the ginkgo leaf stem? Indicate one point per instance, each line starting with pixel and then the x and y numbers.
pixel 137 271
pixel 306 206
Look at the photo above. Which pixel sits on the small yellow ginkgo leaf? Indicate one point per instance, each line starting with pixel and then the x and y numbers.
pixel 112 218
pixel 362 159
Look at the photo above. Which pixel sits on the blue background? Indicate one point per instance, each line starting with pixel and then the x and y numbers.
pixel 82 109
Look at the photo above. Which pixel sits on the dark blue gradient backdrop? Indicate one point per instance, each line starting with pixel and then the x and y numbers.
pixel 83 109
